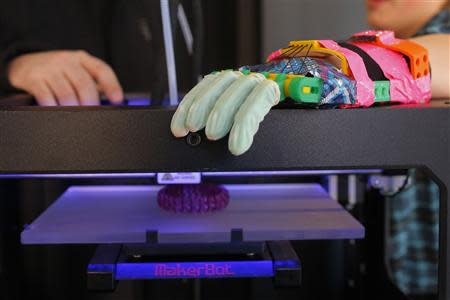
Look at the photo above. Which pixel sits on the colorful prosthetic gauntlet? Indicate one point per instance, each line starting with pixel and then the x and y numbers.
pixel 371 67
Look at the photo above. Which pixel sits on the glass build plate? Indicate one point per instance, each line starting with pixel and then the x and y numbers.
pixel 124 214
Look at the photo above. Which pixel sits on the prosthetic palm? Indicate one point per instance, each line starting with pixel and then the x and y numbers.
pixel 371 67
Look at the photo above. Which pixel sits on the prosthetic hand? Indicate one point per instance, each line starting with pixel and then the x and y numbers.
pixel 371 67
pixel 227 101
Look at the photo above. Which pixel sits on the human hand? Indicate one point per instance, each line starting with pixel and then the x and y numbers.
pixel 227 101
pixel 68 78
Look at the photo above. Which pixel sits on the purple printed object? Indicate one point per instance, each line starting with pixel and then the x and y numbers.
pixel 193 198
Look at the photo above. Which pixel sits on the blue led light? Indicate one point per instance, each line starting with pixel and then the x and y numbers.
pixel 101 268
pixel 226 269
pixel 138 102
pixel 286 264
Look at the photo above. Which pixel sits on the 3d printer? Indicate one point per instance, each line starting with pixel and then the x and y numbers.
pixel 274 192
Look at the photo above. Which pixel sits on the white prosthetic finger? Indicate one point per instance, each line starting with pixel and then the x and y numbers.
pixel 207 98
pixel 178 124
pixel 221 117
pixel 251 114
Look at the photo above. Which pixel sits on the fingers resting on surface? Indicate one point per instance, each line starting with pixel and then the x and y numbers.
pixel 250 114
pixel 221 118
pixel 226 101
pixel 207 98
pixel 178 125
pixel 64 78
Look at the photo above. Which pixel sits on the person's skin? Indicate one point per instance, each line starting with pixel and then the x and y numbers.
pixel 68 78
pixel 406 18
pixel 438 46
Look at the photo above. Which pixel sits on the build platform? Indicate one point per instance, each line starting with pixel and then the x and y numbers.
pixel 126 214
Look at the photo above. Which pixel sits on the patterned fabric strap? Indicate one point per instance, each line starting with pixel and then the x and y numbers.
pixel 364 85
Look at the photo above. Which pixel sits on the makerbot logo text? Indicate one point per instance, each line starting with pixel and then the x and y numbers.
pixel 207 270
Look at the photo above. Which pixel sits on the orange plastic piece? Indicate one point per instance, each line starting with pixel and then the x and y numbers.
pixel 418 57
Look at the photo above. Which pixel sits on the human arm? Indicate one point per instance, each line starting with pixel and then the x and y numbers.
pixel 40 44
pixel 438 46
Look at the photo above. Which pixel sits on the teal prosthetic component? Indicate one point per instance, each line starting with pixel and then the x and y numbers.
pixel 178 125
pixel 228 100
pixel 382 91
pixel 222 116
pixel 206 99
pixel 252 112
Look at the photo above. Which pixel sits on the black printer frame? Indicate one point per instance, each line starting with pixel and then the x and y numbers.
pixel 36 140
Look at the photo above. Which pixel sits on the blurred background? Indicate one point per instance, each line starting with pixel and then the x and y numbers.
pixel 285 20
pixel 251 29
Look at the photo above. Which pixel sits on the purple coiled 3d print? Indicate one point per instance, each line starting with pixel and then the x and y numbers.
pixel 193 198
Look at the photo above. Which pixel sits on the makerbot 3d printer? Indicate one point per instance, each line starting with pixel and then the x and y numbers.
pixel 303 219
pixel 87 205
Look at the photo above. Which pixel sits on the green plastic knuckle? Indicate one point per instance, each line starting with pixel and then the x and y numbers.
pixel 306 89
pixel 246 72
pixel 382 91
pixel 280 80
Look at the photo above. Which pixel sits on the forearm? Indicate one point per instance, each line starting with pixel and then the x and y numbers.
pixel 438 46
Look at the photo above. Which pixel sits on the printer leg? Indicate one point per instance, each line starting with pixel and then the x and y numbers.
pixel 102 268
pixel 286 264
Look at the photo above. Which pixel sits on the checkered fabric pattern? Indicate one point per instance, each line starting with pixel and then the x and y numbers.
pixel 439 24
pixel 414 220
pixel 412 245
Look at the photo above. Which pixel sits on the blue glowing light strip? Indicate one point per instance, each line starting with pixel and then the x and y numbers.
pixel 172 270
pixel 286 264
pixel 229 269
pixel 206 174
pixel 102 268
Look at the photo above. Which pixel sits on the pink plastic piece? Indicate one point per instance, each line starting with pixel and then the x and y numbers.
pixel 193 198
pixel 364 85
pixel 404 88
pixel 274 55
pixel 385 36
